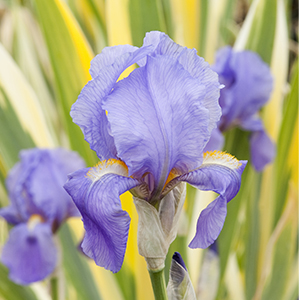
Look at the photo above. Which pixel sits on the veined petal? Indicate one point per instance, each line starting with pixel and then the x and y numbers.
pixel 196 66
pixel 248 84
pixel 35 185
pixel 216 141
pixel 163 44
pixel 253 82
pixel 17 212
pixel 30 254
pixel 210 223
pixel 45 184
pixel 21 205
pixel 200 69
pixel 262 148
pixel 108 56
pixel 88 114
pixel 157 120
pixel 221 173
pixel 96 193
pixel 11 214
pixel 87 111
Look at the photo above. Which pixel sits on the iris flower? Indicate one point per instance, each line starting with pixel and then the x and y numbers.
pixel 179 285
pixel 149 131
pixel 248 86
pixel 39 205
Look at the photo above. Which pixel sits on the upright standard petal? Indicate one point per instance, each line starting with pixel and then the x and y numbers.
pixel 96 193
pixel 248 85
pixel 221 173
pixel 108 56
pixel 45 183
pixel 157 120
pixel 253 83
pixel 21 203
pixel 88 114
pixel 30 254
pixel 196 66
pixel 87 111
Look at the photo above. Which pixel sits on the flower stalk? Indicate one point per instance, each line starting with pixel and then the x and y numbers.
pixel 158 284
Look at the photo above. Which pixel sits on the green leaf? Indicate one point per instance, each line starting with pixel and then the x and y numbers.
pixel 24 101
pixel 258 31
pixel 203 28
pixel 283 254
pixel 252 237
pixel 281 251
pixel 284 144
pixel 145 16
pixel 70 56
pixel 125 280
pixel 13 136
pixel 261 36
pixel 76 268
pixel 12 291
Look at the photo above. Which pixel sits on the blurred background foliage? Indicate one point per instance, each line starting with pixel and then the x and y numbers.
pixel 45 51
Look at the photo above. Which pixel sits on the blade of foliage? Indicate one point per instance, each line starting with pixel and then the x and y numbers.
pixel 99 15
pixel 202 30
pixel 23 100
pixel 258 31
pixel 12 291
pixel 233 278
pixel 237 144
pixel 125 279
pixel 214 17
pixel 280 254
pixel 118 22
pixel 263 29
pixel 195 256
pixel 146 16
pixel 228 28
pixel 279 67
pixel 70 57
pixel 215 28
pixel 106 282
pixel 76 269
pixel 284 143
pixel 252 237
pixel 90 14
pixel 29 54
pixel 13 136
pixel 273 111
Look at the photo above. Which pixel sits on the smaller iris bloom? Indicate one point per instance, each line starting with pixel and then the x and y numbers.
pixel 149 131
pixel 179 286
pixel 248 85
pixel 39 205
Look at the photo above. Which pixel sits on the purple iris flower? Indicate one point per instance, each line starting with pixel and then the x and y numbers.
pixel 179 285
pixel 248 85
pixel 149 131
pixel 39 205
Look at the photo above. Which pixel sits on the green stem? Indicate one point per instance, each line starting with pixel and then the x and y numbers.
pixel 54 288
pixel 158 284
